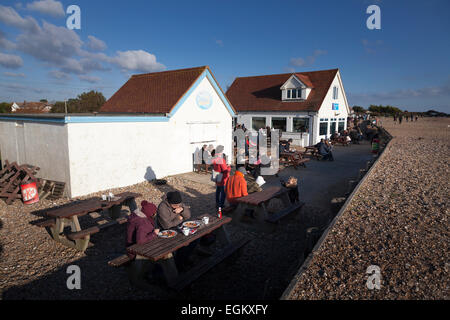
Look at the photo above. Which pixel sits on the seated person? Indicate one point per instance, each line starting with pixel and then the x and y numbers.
pixel 324 150
pixel 172 212
pixel 291 184
pixel 236 186
pixel 288 145
pixel 254 185
pixel 141 225
pixel 334 136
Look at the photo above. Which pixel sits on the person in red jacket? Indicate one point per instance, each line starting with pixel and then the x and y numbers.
pixel 236 186
pixel 141 225
pixel 220 165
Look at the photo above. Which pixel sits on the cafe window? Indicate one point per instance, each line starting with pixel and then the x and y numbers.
pixel 323 129
pixel 341 126
pixel 279 123
pixel 258 123
pixel 300 124
pixel 332 127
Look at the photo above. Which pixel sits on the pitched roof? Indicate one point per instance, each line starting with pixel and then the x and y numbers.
pixel 156 92
pixel 263 93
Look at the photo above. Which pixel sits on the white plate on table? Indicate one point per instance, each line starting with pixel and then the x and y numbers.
pixel 167 234
pixel 192 224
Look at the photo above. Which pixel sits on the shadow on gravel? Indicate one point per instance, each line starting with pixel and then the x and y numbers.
pixel 1 246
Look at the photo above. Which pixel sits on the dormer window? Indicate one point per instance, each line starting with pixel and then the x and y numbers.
pixel 295 89
pixel 294 94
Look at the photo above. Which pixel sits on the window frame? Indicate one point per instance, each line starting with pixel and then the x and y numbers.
pixel 302 118
pixel 279 118
pixel 335 93
pixel 265 122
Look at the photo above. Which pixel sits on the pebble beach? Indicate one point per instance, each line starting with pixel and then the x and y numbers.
pixel 397 221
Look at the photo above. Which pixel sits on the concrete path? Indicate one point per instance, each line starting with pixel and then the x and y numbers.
pixel 320 181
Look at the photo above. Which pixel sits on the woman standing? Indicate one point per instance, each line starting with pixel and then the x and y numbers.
pixel 222 171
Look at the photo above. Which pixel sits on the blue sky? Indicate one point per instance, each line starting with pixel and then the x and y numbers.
pixel 404 64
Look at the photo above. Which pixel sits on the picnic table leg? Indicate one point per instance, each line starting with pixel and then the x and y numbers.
pixel 131 204
pixel 137 271
pixel 261 213
pixel 114 211
pixel 58 228
pixel 239 212
pixel 169 268
pixel 222 235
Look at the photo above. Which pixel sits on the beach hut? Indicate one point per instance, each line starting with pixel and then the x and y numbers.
pixel 148 129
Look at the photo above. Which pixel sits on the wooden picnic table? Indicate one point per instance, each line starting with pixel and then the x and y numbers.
pixel 340 140
pixel 162 250
pixel 258 203
pixel 312 151
pixel 294 159
pixel 67 215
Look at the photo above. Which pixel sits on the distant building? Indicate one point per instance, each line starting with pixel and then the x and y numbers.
pixel 31 107
pixel 305 106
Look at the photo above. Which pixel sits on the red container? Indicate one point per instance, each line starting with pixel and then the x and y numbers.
pixel 29 193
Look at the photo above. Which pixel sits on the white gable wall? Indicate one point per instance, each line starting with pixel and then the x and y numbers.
pixel 326 110
pixel 111 155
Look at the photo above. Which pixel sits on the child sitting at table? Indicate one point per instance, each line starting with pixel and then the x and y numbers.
pixel 141 225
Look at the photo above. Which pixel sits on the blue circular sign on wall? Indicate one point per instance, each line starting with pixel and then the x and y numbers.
pixel 204 100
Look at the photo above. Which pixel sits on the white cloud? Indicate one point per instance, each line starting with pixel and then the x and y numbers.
pixel 10 17
pixel 63 51
pixel 96 44
pixel 297 62
pixel 137 60
pixel 89 79
pixel 308 61
pixel 5 43
pixel 371 46
pixel 59 75
pixel 14 75
pixel 10 61
pixel 50 7
pixel 427 92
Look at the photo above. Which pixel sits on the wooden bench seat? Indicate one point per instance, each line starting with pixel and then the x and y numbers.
pixel 83 233
pixel 193 274
pixel 274 218
pixel 45 223
pixel 120 261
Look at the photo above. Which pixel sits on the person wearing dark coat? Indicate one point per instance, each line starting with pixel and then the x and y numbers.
pixel 324 150
pixel 172 212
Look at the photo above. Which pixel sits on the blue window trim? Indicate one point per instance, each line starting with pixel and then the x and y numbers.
pixel 112 119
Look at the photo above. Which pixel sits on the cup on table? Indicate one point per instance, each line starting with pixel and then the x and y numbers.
pixel 186 231
pixel 205 220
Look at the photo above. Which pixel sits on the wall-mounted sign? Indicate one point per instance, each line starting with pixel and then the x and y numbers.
pixel 204 100
pixel 335 106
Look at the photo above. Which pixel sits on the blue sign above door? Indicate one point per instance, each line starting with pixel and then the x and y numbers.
pixel 335 106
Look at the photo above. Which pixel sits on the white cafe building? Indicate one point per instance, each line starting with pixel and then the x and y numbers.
pixel 304 106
